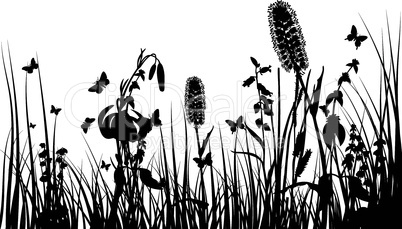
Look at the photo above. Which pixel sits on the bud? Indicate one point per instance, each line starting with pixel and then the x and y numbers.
pixel 195 101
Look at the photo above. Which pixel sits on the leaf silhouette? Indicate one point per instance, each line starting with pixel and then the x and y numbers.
pixel 148 180
pixel 316 96
pixel 255 136
pixel 134 85
pixel 258 122
pixel 257 107
pixel 263 90
pixel 336 95
pixel 205 142
pixel 266 127
pixel 254 61
pixel 333 129
pixel 248 153
pixel 160 73
pixel 249 81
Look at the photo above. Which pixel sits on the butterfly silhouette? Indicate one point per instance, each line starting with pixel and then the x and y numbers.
pixel 207 160
pixel 100 84
pixel 32 125
pixel 86 124
pixel 55 110
pixel 354 37
pixel 234 125
pixel 105 166
pixel 29 68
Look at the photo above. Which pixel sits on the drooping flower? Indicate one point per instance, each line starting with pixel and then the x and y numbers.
pixel 287 36
pixel 195 101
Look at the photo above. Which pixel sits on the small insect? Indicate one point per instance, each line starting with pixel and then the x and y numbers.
pixel 86 124
pixel 207 160
pixel 29 68
pixel 32 125
pixel 55 110
pixel 100 84
pixel 105 166
pixel 234 125
pixel 354 37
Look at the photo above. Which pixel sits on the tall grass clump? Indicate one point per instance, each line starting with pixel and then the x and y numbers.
pixel 256 183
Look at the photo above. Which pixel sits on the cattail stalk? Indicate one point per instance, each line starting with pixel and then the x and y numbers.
pixel 195 110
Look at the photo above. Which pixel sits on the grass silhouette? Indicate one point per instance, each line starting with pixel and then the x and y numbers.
pixel 255 184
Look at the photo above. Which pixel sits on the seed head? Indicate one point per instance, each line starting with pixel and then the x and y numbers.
pixel 195 101
pixel 287 36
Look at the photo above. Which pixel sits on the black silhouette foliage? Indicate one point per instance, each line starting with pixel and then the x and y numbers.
pixel 148 180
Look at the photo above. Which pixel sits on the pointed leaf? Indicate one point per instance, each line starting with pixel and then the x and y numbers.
pixel 148 180
pixel 248 153
pixel 205 142
pixel 255 136
pixel 254 61
pixel 152 71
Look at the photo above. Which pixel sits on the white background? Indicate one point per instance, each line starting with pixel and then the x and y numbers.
pixel 77 40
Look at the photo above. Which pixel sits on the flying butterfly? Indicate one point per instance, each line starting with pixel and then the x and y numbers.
pixel 100 84
pixel 105 166
pixel 86 124
pixel 32 125
pixel 55 110
pixel 354 37
pixel 234 125
pixel 207 160
pixel 29 68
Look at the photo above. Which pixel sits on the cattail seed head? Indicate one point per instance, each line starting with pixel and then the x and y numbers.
pixel 287 36
pixel 195 101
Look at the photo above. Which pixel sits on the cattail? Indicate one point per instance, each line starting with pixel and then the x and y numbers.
pixel 287 36
pixel 195 101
